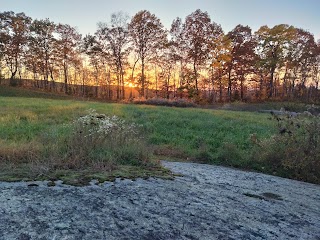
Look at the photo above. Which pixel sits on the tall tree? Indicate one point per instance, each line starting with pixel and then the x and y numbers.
pixel 273 47
pixel 14 30
pixel 242 57
pixel 114 37
pixel 316 68
pixel 220 57
pixel 198 33
pixel 69 43
pixel 177 48
pixel 315 73
pixel 166 62
pixel 305 53
pixel 92 47
pixel 41 47
pixel 148 36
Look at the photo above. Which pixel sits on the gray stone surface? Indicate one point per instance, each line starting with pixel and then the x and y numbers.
pixel 208 202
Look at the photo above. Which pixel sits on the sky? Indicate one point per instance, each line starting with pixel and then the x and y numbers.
pixel 85 14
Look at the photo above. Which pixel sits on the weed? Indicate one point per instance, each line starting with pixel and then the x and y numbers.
pixel 295 150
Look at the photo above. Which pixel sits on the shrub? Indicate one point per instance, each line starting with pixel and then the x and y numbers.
pixel 294 107
pixel 295 151
pixel 165 102
pixel 203 156
pixel 102 141
pixel 229 154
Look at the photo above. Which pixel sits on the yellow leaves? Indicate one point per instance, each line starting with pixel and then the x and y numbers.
pixel 221 51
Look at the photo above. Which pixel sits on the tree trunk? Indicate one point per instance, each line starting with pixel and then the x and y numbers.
pixel 118 85
pixel 271 87
pixel 220 86
pixel 14 70
pixel 220 90
pixel 46 70
pixel 174 85
pixel 229 84
pixel 284 86
pixel 65 71
pixel 195 76
pixel 168 85
pixel 122 84
pixel 156 78
pixel 142 78
pixel 13 81
pixel 242 87
pixel 212 83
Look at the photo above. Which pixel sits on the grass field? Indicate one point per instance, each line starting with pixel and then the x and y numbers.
pixel 187 134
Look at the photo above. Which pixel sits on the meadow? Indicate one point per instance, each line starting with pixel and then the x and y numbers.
pixel 31 122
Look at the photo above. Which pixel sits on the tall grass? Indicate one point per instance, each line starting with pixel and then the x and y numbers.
pixel 203 135
pixel 34 128
pixel 194 134
pixel 294 151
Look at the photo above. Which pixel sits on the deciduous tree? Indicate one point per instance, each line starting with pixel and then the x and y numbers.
pixel 273 47
pixel 220 57
pixel 68 43
pixel 41 44
pixel 242 57
pixel 148 36
pixel 94 50
pixel 114 37
pixel 14 30
pixel 198 34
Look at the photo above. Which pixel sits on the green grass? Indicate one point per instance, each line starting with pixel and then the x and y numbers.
pixel 192 134
pixel 6 91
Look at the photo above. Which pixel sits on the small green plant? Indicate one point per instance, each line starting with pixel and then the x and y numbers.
pixel 295 150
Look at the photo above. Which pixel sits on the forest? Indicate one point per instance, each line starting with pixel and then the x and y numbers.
pixel 136 57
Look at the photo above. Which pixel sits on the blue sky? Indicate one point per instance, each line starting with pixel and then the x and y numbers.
pixel 85 14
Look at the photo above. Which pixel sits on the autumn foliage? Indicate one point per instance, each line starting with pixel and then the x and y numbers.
pixel 135 57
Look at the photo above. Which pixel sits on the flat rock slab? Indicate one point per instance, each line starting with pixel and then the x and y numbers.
pixel 208 202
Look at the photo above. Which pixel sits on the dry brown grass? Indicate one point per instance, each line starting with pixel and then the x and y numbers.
pixel 17 153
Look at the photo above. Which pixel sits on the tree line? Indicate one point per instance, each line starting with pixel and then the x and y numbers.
pixel 193 59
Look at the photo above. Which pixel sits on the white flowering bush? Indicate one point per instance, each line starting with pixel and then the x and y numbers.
pixel 104 141
pixel 96 128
